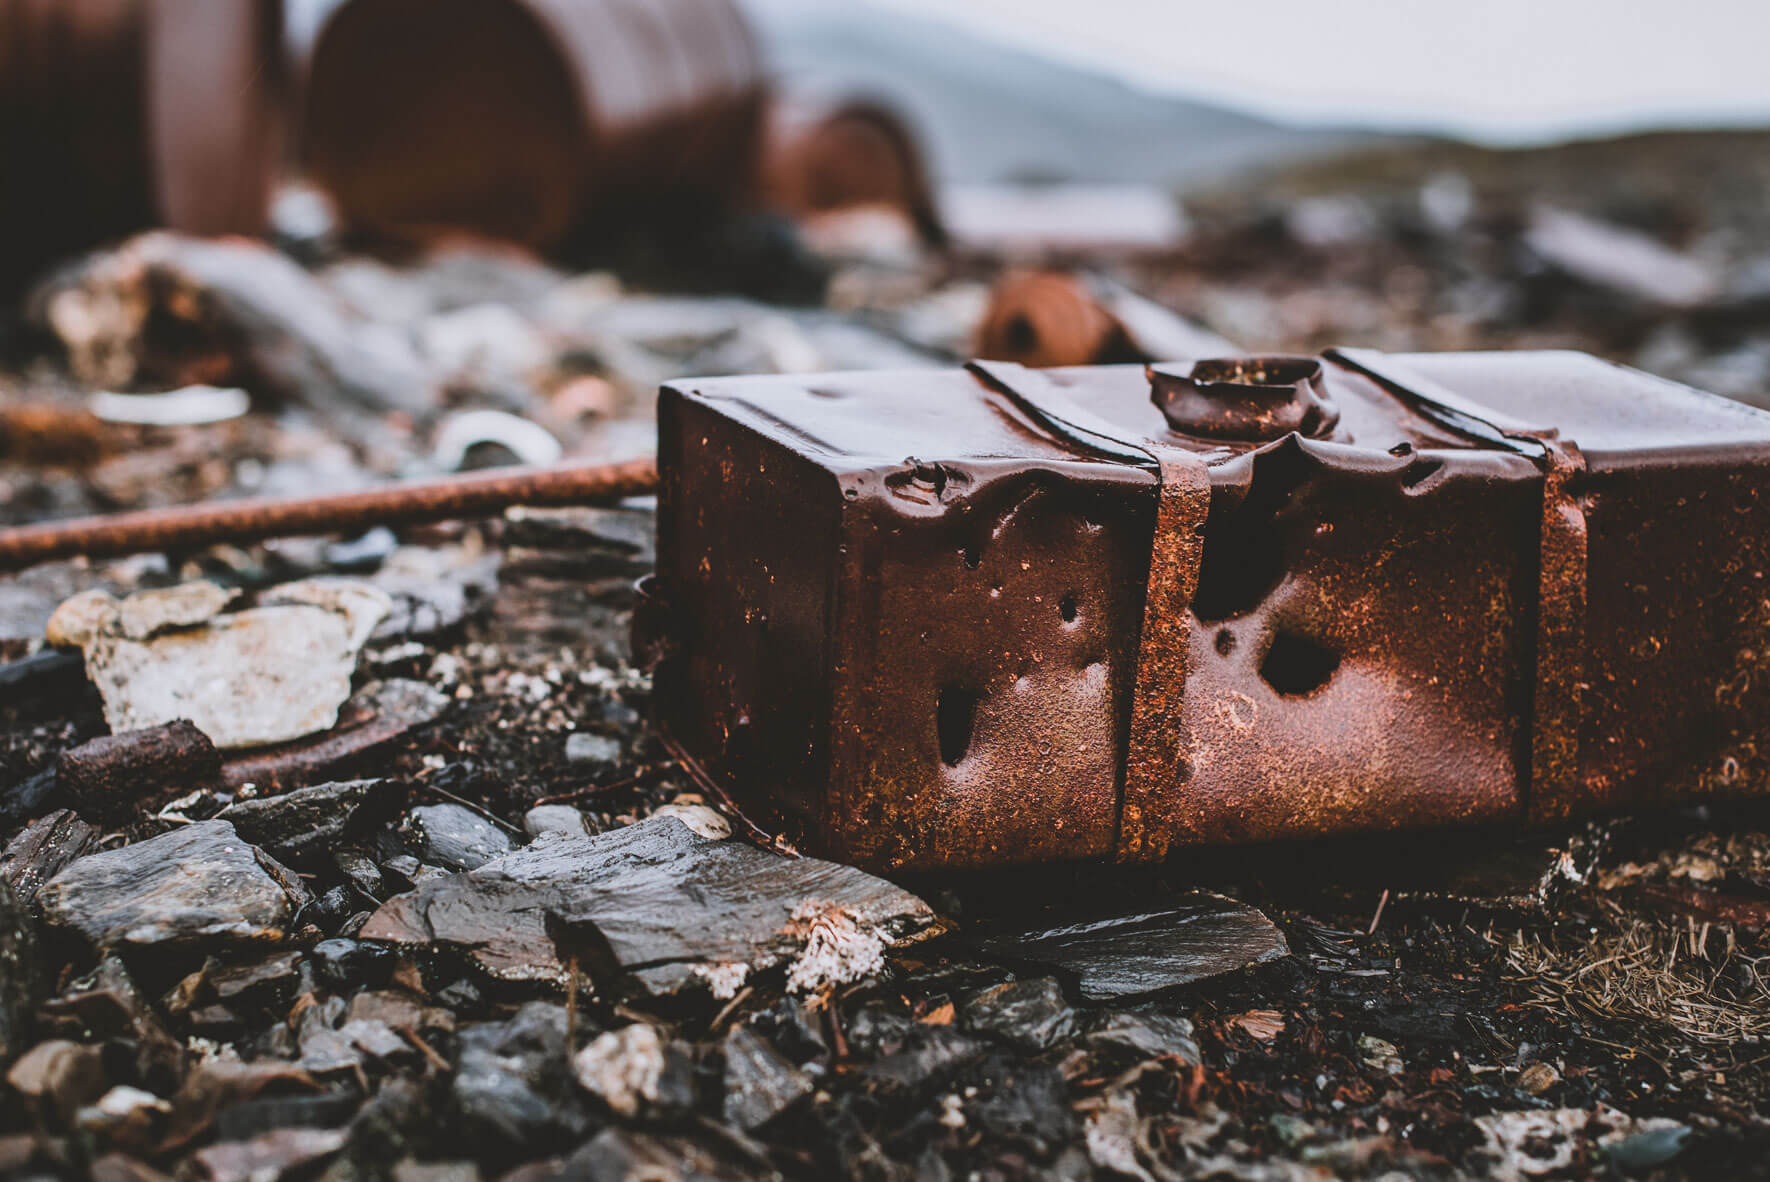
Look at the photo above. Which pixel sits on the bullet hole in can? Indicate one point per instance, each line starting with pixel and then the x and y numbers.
pixel 955 714
pixel 1244 558
pixel 1070 608
pixel 1225 642
pixel 1296 666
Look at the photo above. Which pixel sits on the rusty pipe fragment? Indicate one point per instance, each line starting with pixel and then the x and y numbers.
pixel 822 158
pixel 1111 612
pixel 120 115
pixel 1055 318
pixel 474 495
pixel 530 120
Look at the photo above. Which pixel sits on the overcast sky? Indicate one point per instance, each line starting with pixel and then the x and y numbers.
pixel 1497 70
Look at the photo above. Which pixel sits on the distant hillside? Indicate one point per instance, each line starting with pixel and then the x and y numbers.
pixel 992 112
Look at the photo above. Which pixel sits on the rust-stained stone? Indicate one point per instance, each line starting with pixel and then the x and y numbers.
pixel 674 909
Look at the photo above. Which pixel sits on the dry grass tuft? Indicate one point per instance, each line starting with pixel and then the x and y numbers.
pixel 1693 980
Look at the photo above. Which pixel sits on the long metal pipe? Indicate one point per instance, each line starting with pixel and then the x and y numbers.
pixel 475 495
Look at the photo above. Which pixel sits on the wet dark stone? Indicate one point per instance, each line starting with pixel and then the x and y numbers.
pixel 1030 1014
pixel 344 965
pixel 1135 1035
pixel 43 849
pixel 253 1118
pixel 760 1083
pixel 929 1057
pixel 1020 1103
pixel 597 754
pixel 794 1029
pixel 662 901
pixel 457 837
pixel 107 1004
pixel 263 986
pixel 306 826
pixel 1144 951
pixel 29 797
pixel 514 1082
pixel 1647 1150
pixel 619 1155
pixel 331 909
pixel 361 870
pixel 197 883
pixel 18 975
pixel 878 1028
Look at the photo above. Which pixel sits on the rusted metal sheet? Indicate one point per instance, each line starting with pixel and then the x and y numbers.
pixel 118 115
pixel 1113 611
pixel 824 158
pixel 528 119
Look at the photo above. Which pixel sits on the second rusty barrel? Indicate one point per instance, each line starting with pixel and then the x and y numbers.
pixel 118 115
pixel 527 119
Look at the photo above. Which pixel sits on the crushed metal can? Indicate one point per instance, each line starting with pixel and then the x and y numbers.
pixel 999 615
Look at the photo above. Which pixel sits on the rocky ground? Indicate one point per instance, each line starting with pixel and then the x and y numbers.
pixel 410 892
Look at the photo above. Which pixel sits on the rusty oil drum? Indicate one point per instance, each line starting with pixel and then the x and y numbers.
pixel 120 115
pixel 527 120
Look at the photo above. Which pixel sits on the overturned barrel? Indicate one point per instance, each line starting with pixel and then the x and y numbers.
pixel 527 120
pixel 119 115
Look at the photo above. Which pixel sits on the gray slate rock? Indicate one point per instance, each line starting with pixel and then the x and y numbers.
pixel 1137 1035
pixel 554 818
pixel 597 752
pixel 196 883
pixel 457 837
pixel 308 824
pixel 1201 936
pixel 18 974
pixel 1030 1014
pixel 672 907
pixel 43 849
pixel 514 1080
pixel 760 1083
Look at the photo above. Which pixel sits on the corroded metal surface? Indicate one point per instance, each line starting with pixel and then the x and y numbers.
pixel 118 115
pixel 529 119
pixel 966 618
pixel 475 494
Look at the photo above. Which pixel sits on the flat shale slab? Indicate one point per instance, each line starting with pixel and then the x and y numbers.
pixel 1144 951
pixel 672 907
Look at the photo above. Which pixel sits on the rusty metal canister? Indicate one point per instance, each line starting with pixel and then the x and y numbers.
pixel 119 115
pixel 824 158
pixel 527 119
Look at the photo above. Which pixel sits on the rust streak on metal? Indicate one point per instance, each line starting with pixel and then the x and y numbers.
pixel 1156 764
pixel 474 495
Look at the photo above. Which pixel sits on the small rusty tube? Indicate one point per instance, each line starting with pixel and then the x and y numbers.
pixel 825 158
pixel 475 495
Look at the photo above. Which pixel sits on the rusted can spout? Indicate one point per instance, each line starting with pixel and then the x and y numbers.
pixel 475 495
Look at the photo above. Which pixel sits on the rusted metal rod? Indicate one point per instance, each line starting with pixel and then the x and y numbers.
pixel 477 495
